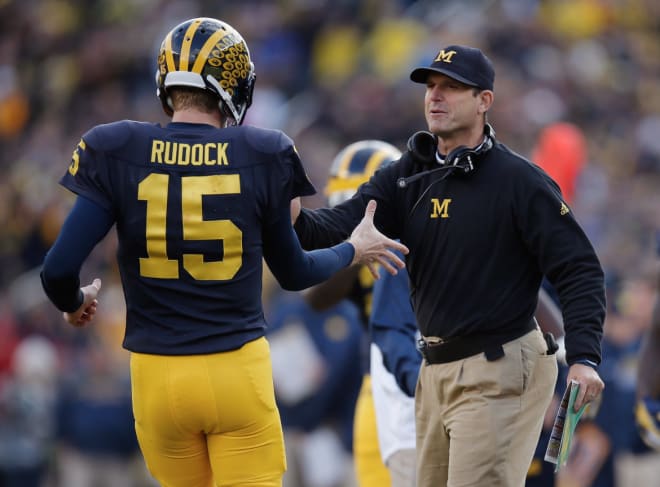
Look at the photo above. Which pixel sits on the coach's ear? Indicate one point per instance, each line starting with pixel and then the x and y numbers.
pixel 423 146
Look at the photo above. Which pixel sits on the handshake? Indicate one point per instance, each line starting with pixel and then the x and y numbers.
pixel 372 248
pixel 647 416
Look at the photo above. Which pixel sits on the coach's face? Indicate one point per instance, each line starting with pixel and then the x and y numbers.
pixel 452 107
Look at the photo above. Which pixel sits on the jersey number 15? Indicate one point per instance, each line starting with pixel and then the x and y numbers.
pixel 154 190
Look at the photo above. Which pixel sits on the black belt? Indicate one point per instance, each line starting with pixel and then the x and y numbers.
pixel 460 347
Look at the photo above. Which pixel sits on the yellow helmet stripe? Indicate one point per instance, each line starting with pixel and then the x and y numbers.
pixel 185 45
pixel 169 57
pixel 375 161
pixel 348 184
pixel 210 43
pixel 343 169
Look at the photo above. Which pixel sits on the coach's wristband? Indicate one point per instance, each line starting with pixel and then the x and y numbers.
pixel 585 361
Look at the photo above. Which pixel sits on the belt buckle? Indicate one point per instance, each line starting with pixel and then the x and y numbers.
pixel 426 344
pixel 434 341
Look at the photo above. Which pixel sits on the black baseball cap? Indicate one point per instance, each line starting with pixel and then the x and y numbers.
pixel 465 64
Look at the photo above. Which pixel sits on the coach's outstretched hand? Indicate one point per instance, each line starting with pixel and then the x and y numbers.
pixel 87 310
pixel 372 247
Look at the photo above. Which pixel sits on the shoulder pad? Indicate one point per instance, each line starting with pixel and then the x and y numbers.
pixel 267 140
pixel 111 136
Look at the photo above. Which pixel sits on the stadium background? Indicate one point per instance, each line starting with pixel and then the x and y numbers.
pixel 328 73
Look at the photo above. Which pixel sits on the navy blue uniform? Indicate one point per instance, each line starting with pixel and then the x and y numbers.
pixel 506 207
pixel 394 330
pixel 361 295
pixel 196 209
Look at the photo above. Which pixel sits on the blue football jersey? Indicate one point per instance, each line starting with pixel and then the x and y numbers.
pixel 191 203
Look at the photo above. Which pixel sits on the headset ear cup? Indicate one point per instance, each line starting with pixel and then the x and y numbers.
pixel 423 146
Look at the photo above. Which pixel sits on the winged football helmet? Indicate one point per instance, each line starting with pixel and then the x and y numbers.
pixel 354 165
pixel 211 55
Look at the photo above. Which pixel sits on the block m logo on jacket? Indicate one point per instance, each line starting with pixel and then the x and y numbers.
pixel 440 210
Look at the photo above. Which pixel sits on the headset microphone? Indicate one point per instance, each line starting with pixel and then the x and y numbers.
pixel 403 182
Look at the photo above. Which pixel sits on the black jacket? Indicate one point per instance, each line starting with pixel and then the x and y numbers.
pixel 480 244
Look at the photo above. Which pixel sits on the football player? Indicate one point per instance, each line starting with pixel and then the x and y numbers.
pixel 352 166
pixel 197 203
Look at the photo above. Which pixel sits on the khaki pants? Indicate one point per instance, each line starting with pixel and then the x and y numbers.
pixel 478 422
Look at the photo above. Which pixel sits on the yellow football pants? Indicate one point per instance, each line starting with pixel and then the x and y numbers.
pixel 209 420
pixel 369 467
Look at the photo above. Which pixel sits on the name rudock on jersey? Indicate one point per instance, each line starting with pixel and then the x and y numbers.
pixel 182 154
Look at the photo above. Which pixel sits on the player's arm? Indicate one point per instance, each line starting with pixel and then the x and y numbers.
pixel 324 227
pixel 400 355
pixel 296 269
pixel 84 227
pixel 393 329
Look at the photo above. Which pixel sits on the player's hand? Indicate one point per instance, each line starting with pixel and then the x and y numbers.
pixel 590 382
pixel 296 206
pixel 87 310
pixel 647 417
pixel 372 247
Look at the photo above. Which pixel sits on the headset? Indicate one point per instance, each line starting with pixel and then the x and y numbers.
pixel 423 146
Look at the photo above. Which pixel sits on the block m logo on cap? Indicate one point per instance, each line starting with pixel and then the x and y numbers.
pixel 445 57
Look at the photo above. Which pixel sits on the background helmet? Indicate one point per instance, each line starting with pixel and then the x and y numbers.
pixel 211 55
pixel 354 165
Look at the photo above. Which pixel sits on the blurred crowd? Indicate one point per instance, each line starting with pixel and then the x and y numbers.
pixel 328 73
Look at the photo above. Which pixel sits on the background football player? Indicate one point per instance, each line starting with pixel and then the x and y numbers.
pixel 352 166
